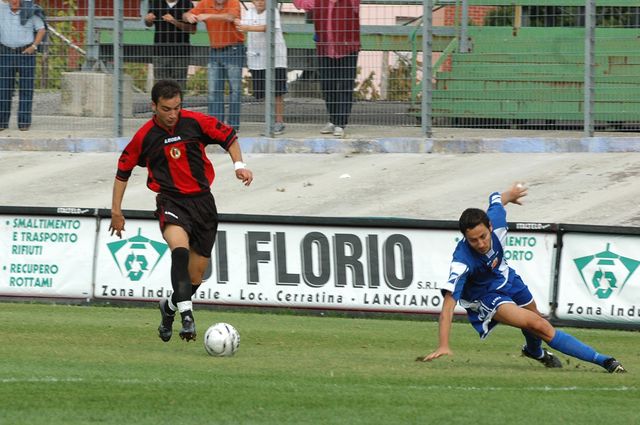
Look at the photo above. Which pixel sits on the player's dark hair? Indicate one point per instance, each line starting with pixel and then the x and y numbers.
pixel 471 217
pixel 165 89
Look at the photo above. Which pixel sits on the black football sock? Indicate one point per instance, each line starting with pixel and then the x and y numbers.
pixel 180 275
pixel 174 301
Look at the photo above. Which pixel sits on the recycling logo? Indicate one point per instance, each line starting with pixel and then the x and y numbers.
pixel 605 273
pixel 137 256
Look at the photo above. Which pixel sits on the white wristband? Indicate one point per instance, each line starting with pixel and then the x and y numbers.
pixel 238 165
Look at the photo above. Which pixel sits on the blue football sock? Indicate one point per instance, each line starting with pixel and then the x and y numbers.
pixel 534 344
pixel 571 346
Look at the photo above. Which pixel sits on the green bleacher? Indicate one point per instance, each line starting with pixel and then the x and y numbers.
pixel 538 74
pixel 520 74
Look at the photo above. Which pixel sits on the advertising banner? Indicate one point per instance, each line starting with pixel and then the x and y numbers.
pixel 310 266
pixel 598 279
pixel 533 255
pixel 136 267
pixel 46 256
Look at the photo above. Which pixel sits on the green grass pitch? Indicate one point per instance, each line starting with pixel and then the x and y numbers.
pixel 101 365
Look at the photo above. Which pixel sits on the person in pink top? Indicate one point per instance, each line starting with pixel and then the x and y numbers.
pixel 337 36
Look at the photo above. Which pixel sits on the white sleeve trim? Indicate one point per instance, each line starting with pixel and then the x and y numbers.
pixel 495 198
pixel 455 272
pixel 501 233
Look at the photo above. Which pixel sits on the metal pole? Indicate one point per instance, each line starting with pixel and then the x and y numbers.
pixel 90 42
pixel 118 17
pixel 427 71
pixel 589 65
pixel 384 76
pixel 517 19
pixel 464 27
pixel 269 97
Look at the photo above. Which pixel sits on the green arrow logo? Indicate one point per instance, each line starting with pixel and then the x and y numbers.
pixel 602 272
pixel 134 255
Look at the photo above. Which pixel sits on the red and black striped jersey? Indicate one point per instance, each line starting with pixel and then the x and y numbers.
pixel 176 160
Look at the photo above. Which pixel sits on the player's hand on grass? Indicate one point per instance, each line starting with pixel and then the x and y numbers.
pixel 441 351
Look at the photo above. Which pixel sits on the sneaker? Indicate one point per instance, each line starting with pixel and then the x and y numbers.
pixel 327 129
pixel 165 330
pixel 547 359
pixel 338 131
pixel 614 366
pixel 278 128
pixel 188 331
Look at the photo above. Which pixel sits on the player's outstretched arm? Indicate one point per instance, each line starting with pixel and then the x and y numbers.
pixel 514 194
pixel 242 172
pixel 446 317
pixel 117 218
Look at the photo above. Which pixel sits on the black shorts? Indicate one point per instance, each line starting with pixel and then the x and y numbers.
pixel 258 78
pixel 197 215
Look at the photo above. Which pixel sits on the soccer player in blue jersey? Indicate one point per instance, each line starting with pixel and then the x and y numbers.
pixel 483 283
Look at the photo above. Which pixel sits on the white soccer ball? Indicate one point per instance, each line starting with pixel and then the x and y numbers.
pixel 221 340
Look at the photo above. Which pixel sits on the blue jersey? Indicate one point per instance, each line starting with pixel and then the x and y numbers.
pixel 472 274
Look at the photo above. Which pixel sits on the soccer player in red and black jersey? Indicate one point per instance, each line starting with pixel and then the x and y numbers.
pixel 172 147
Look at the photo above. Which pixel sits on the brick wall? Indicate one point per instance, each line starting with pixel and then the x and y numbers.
pixel 476 14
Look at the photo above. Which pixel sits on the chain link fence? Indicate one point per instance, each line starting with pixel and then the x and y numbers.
pixel 346 62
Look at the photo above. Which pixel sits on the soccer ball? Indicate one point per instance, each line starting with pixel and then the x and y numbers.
pixel 221 340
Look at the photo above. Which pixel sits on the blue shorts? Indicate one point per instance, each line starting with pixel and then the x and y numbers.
pixel 480 312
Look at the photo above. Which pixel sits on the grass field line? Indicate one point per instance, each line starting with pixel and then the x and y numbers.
pixel 545 388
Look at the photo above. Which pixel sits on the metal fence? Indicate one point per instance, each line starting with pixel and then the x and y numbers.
pixel 351 62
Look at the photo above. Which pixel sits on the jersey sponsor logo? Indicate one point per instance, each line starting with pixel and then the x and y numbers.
pixel 175 153
pixel 172 140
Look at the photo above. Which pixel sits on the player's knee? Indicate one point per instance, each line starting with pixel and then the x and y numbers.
pixel 197 278
pixel 541 327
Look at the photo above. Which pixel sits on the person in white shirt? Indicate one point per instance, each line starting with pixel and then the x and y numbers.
pixel 22 30
pixel 254 23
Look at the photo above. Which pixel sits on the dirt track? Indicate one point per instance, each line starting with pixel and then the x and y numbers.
pixel 583 188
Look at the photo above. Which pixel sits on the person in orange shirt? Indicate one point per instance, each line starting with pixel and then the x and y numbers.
pixel 227 55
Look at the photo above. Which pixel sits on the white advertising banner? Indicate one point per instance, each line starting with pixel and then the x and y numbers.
pixel 533 255
pixel 46 256
pixel 310 266
pixel 599 280
pixel 136 267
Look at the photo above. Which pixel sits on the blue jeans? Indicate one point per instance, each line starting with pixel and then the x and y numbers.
pixel 12 63
pixel 225 64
